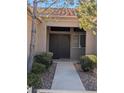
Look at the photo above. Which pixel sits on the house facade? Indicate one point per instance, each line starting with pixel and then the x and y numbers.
pixel 57 31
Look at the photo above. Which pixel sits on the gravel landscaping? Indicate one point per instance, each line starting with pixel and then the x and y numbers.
pixel 89 79
pixel 48 76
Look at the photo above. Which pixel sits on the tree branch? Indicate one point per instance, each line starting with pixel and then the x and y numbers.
pixel 49 6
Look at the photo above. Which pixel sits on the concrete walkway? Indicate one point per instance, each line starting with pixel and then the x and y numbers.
pixel 66 77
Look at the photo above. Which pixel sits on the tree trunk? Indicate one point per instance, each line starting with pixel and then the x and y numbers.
pixel 33 35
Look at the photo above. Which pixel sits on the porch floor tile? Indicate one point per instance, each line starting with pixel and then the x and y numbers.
pixel 66 77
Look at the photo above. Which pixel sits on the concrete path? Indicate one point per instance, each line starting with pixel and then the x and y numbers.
pixel 66 77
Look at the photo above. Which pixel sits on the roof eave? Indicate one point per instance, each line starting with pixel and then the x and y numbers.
pixel 59 16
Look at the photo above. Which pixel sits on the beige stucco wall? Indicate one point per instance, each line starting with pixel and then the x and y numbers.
pixel 91 43
pixel 43 37
pixel 29 25
pixel 38 42
pixel 63 22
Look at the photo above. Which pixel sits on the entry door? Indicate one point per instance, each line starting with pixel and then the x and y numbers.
pixel 59 44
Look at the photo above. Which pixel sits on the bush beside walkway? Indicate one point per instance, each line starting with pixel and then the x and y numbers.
pixel 42 72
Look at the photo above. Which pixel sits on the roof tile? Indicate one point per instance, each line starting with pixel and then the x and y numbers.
pixel 58 12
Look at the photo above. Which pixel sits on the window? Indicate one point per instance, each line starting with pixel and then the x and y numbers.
pixel 78 40
pixel 82 41
pixel 66 29
pixel 76 29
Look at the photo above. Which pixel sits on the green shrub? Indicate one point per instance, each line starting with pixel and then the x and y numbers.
pixel 88 62
pixel 38 68
pixel 37 58
pixel 47 54
pixel 33 79
pixel 45 58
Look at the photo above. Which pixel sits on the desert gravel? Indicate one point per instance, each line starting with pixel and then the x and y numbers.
pixel 89 79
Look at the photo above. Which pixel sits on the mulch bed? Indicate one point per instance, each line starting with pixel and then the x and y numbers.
pixel 48 76
pixel 89 79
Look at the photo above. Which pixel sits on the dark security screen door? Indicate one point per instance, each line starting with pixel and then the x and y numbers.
pixel 59 44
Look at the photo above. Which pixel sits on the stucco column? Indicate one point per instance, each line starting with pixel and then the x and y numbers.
pixel 91 43
pixel 43 37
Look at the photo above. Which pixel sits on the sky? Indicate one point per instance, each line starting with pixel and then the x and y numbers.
pixel 59 3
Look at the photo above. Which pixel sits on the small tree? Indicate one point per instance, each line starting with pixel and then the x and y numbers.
pixel 33 32
pixel 87 14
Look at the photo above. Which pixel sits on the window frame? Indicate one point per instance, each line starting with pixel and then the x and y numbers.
pixel 79 41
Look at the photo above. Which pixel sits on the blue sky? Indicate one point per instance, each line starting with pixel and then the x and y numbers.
pixel 59 4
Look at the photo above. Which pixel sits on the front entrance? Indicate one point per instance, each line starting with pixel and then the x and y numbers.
pixel 59 44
